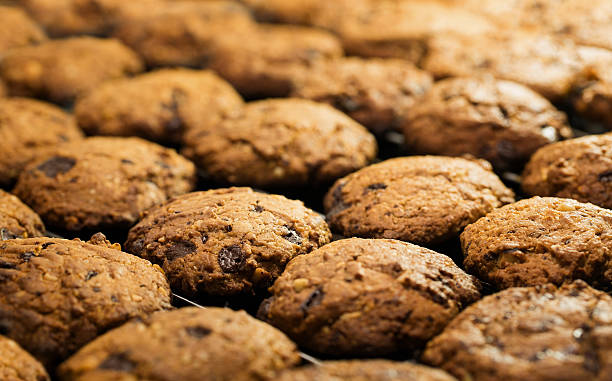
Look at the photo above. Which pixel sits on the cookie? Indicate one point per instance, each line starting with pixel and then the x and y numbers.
pixel 281 142
pixel 541 240
pixel 17 220
pixel 365 370
pixel 56 295
pixel 227 241
pixel 59 70
pixel 374 92
pixel 422 199
pixel 500 121
pixel 17 29
pixel 158 106
pixel 180 33
pixel 17 364
pixel 367 298
pixel 261 62
pixel 102 183
pixel 184 345
pixel 539 333
pixel 27 128
pixel 591 97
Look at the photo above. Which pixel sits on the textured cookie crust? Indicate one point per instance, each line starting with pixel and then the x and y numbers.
pixel 262 61
pixel 359 297
pixel 180 33
pixel 159 106
pixel 17 364
pixel 366 370
pixel 56 295
pixel 500 121
pixel 541 240
pixel 530 334
pixel 102 182
pixel 27 128
pixel 374 92
pixel 17 220
pixel 17 29
pixel 421 199
pixel 282 142
pixel 185 344
pixel 59 70
pixel 226 241
pixel 592 95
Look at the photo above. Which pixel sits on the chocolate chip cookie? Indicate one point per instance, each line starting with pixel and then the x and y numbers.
pixel 17 220
pixel 59 70
pixel 541 240
pixel 538 333
pixel 27 128
pixel 17 364
pixel 102 182
pixel 159 106
pixel 185 344
pixel 17 29
pixel 56 295
pixel 500 121
pixel 226 241
pixel 592 95
pixel 281 142
pixel 422 199
pixel 363 298
pixel 365 370
pixel 374 92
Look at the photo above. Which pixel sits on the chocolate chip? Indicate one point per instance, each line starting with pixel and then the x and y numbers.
pixel 47 244
pixel 338 201
pixel 6 265
pixel 231 259
pixel 26 256
pixel 90 275
pixel 292 236
pixel 179 250
pixel 198 331
pixel 258 209
pixel 375 187
pixel 56 165
pixel 114 299
pixel 136 246
pixel 6 234
pixel 119 362
pixel 204 237
pixel 228 228
pixel 605 177
pixel 162 164
pixel 314 299
pixel 127 161
pixel 346 103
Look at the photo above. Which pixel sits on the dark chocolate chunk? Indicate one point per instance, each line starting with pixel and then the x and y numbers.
pixel 314 299
pixel 179 250
pixel 6 234
pixel 119 362
pixel 292 236
pixel 605 177
pixel 26 256
pixel 231 259
pixel 56 165
pixel 198 331
pixel 90 275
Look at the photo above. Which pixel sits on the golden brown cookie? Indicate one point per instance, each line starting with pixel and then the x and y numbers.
pixel 367 298
pixel 18 29
pixel 592 95
pixel 56 295
pixel 28 128
pixel 500 121
pixel 60 70
pixel 17 220
pixel 281 142
pixel 17 364
pixel 421 199
pixel 186 344
pixel 541 240
pixel 159 105
pixel 226 241
pixel 102 182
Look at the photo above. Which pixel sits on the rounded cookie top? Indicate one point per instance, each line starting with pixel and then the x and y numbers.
pixel 422 199
pixel 374 92
pixel 282 142
pixel 59 70
pixel 226 241
pixel 578 168
pixel 184 345
pixel 500 121
pixel 541 240
pixel 360 297
pixel 17 364
pixel 18 29
pixel 28 128
pixel 102 182
pixel 592 96
pixel 17 220
pixel 159 106
pixel 533 333
pixel 365 370
pixel 56 295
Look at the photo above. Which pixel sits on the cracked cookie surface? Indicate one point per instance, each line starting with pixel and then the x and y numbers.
pixel 421 199
pixel 527 334
pixel 185 344
pixel 56 295
pixel 541 240
pixel 361 297
pixel 17 364
pixel 227 241
pixel 17 220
